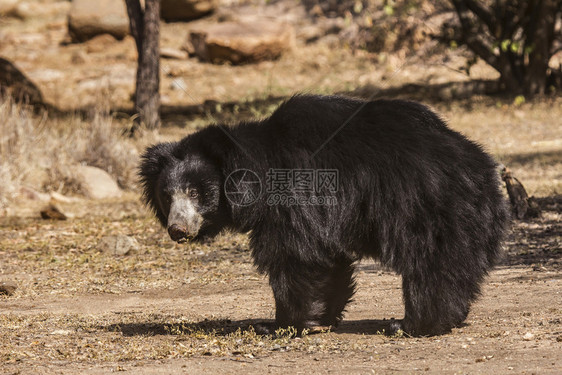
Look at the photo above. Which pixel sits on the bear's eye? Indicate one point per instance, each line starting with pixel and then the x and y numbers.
pixel 193 194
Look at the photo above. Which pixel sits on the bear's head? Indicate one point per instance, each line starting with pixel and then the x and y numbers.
pixel 184 189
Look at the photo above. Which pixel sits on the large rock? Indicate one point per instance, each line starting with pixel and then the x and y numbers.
pixel 35 9
pixel 13 82
pixel 7 7
pixel 241 42
pixel 96 183
pixel 184 10
pixel 90 18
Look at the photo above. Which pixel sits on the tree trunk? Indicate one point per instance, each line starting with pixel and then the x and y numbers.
pixel 515 37
pixel 542 36
pixel 145 28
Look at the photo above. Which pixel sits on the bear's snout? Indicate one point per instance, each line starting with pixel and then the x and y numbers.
pixel 177 233
pixel 184 221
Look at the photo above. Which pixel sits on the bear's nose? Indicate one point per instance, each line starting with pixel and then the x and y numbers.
pixel 177 233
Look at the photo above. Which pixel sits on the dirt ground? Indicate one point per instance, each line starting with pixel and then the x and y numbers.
pixel 169 308
pixel 165 308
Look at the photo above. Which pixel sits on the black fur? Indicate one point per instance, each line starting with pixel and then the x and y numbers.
pixel 416 195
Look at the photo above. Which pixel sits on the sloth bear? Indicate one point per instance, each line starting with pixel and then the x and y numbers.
pixel 326 181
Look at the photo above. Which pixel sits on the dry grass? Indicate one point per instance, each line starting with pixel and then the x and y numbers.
pixel 16 129
pixel 41 153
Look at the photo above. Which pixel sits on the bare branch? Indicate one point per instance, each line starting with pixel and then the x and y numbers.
pixel 483 50
pixel 482 12
pixel 470 35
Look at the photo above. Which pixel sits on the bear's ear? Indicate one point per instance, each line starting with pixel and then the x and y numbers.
pixel 211 142
pixel 155 158
pixel 153 161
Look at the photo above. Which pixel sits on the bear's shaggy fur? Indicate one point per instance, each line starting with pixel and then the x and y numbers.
pixel 412 193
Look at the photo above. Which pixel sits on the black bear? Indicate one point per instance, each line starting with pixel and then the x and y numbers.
pixel 328 180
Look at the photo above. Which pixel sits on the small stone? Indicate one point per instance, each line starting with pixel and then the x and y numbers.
pixel 52 212
pixel 61 332
pixel 7 288
pixel 173 53
pixel 118 245
pixel 528 336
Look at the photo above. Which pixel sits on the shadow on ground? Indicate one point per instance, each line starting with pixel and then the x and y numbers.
pixel 176 115
pixel 530 158
pixel 219 327
pixel 537 242
pixel 223 327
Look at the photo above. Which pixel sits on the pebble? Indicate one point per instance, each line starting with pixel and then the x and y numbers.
pixel 7 288
pixel 118 245
pixel 62 332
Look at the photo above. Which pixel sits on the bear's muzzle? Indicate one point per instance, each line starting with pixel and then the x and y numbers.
pixel 184 221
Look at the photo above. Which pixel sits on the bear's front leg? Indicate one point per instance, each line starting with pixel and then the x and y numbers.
pixel 297 290
pixel 309 296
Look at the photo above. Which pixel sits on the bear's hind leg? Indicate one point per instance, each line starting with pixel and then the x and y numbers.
pixel 338 292
pixel 438 301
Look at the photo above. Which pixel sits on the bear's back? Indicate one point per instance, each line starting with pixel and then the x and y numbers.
pixel 323 127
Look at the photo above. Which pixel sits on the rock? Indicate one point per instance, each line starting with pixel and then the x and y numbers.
pixel 7 288
pixel 90 18
pixel 185 10
pixel 172 53
pixel 52 212
pixel 61 332
pixel 241 42
pixel 96 183
pixel 79 57
pixel 15 83
pixel 7 7
pixel 34 9
pixel 528 336
pixel 99 43
pixel 118 245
